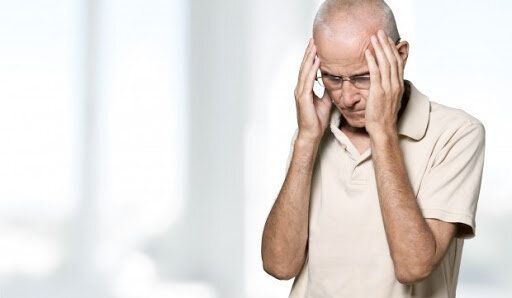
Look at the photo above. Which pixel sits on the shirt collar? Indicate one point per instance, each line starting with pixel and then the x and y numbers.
pixel 412 123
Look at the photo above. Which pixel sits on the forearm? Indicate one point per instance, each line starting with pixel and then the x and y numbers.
pixel 286 230
pixel 411 242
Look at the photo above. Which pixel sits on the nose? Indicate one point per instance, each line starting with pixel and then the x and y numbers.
pixel 350 95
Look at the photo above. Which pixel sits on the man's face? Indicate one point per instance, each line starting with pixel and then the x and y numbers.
pixel 342 54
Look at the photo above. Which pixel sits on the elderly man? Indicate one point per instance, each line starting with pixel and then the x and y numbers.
pixel 379 206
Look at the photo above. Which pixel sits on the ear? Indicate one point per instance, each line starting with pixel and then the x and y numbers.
pixel 403 49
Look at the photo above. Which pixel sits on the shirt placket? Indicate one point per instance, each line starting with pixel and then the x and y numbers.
pixel 358 162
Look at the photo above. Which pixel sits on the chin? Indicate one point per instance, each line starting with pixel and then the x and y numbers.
pixel 356 123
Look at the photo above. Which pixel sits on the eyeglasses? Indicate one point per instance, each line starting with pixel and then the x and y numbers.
pixel 335 82
pixel 331 82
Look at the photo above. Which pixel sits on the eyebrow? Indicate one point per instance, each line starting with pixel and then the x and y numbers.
pixel 354 75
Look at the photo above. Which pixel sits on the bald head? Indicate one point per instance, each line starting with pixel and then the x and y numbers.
pixel 354 17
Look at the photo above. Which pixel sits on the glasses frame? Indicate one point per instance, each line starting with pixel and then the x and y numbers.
pixel 343 79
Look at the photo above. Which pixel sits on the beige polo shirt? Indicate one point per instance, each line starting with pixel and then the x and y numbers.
pixel 348 253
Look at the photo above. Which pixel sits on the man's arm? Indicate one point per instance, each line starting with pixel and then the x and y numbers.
pixel 416 244
pixel 285 236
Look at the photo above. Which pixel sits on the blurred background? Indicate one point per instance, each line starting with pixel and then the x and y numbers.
pixel 143 143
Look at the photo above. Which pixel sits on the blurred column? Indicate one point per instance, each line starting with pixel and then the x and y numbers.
pixel 207 242
pixel 279 32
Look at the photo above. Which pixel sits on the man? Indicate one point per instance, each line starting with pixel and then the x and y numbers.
pixel 382 183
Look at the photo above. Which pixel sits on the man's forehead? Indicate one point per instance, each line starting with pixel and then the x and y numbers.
pixel 342 69
pixel 342 52
pixel 343 36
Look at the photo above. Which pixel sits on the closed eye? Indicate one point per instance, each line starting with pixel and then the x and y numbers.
pixel 333 78
pixel 361 78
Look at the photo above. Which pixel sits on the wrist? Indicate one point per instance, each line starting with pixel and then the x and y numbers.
pixel 382 132
pixel 305 138
pixel 305 142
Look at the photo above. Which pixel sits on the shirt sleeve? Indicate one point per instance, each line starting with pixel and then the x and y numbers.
pixel 450 189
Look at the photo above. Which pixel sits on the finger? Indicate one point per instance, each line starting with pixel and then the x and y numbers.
pixel 382 62
pixel 386 47
pixel 400 63
pixel 393 72
pixel 298 88
pixel 306 53
pixel 373 68
pixel 324 104
pixel 308 64
pixel 326 96
pixel 310 79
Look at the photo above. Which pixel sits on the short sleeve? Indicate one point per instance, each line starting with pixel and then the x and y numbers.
pixel 290 155
pixel 451 186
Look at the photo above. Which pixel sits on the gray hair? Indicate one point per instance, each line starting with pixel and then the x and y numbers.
pixel 378 8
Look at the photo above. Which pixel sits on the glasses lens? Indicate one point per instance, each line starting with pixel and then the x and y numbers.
pixel 361 82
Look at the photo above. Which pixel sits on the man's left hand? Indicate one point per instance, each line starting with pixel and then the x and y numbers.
pixel 387 85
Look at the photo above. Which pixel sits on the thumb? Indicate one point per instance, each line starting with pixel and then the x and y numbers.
pixel 324 105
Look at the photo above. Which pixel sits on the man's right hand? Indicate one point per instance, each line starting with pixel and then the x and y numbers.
pixel 312 112
pixel 284 245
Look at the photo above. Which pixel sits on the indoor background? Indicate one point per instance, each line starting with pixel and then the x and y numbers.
pixel 143 143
